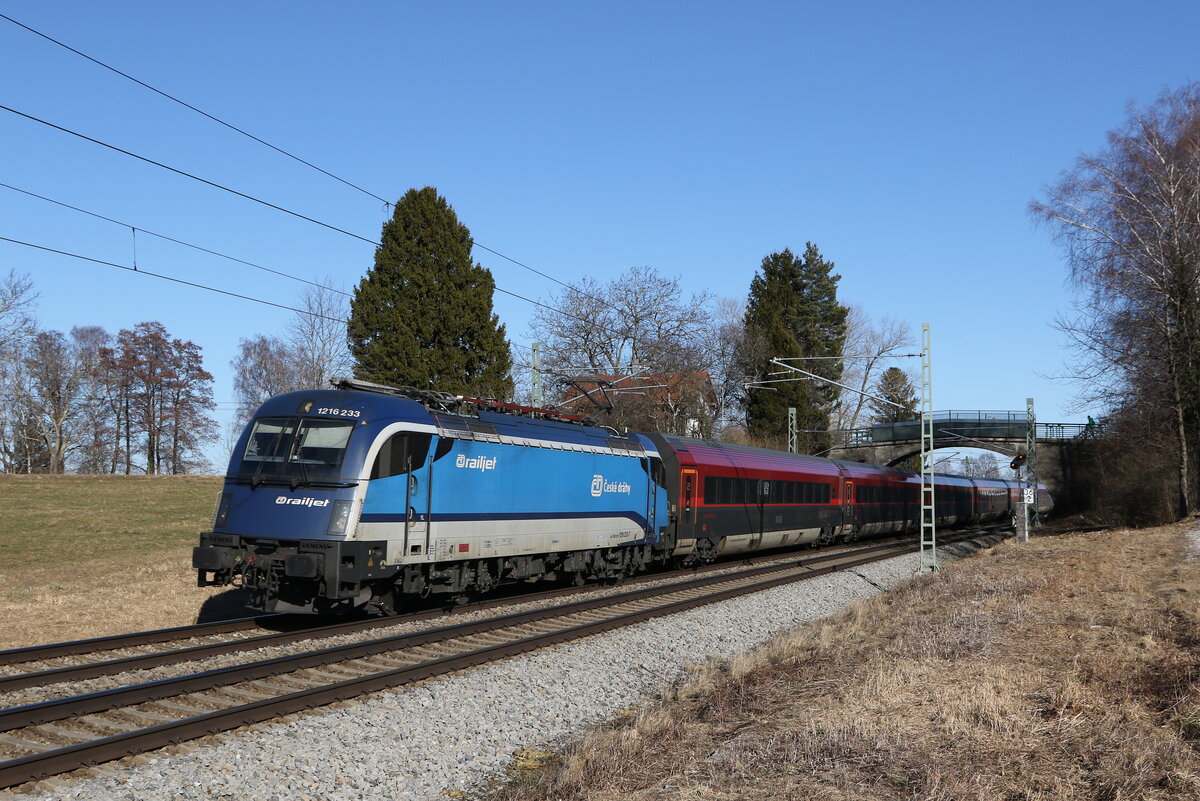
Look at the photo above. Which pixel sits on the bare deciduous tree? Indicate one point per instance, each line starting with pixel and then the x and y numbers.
pixel 313 351
pixel 54 398
pixel 877 343
pixel 17 297
pixel 17 328
pixel 638 324
pixel 163 396
pixel 100 443
pixel 317 337
pixel 636 319
pixel 264 366
pixel 1129 220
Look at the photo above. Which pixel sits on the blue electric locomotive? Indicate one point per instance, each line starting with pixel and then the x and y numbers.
pixel 358 497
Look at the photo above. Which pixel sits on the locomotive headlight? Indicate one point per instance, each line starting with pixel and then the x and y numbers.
pixel 339 518
pixel 221 516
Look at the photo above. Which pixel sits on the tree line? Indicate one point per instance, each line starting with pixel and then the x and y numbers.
pixel 89 401
pixel 635 352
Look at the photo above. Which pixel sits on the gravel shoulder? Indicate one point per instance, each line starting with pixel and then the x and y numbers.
pixel 456 733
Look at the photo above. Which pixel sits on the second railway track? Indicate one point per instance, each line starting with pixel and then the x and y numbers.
pixel 61 735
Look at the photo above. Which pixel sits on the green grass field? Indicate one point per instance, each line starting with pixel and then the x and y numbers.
pixel 83 556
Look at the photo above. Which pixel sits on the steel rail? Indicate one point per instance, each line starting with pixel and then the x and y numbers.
pixel 101 700
pixel 107 667
pixel 59 760
pixel 113 642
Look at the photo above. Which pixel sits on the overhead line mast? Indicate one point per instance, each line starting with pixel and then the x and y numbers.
pixel 928 507
pixel 928 560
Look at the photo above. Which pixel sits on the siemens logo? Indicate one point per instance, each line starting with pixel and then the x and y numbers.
pixel 283 500
pixel 600 486
pixel 475 462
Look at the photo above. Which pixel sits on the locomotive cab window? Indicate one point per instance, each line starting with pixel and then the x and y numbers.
pixel 289 446
pixel 400 454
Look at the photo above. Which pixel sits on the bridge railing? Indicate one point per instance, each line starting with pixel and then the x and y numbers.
pixel 953 424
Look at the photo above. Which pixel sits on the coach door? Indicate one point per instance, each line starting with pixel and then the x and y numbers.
pixel 762 489
pixel 687 502
pixel 848 515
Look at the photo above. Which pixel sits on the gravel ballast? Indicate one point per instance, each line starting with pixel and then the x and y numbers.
pixel 459 731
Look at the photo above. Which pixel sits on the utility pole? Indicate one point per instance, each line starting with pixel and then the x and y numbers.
pixel 928 561
pixel 536 375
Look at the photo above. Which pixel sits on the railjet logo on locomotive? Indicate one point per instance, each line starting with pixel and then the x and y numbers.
pixel 285 500
pixel 475 462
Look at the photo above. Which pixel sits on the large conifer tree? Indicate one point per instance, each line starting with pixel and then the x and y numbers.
pixel 895 386
pixel 423 316
pixel 793 311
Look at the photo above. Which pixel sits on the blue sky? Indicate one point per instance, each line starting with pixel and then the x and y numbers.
pixel 905 140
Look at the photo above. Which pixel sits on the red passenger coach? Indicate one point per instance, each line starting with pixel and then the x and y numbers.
pixel 733 498
pixel 729 498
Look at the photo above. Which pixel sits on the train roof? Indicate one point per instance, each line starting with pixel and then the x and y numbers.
pixel 712 452
pixel 468 418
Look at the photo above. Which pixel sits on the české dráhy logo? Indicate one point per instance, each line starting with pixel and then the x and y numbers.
pixel 600 486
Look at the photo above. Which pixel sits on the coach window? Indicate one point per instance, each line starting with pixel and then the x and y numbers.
pixel 401 453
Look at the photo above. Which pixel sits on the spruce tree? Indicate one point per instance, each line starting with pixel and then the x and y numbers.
pixel 793 311
pixel 894 385
pixel 423 316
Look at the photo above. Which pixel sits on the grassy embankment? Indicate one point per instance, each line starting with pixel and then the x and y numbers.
pixel 1068 668
pixel 84 556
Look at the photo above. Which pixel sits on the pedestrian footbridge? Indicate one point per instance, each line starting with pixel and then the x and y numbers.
pixel 1001 432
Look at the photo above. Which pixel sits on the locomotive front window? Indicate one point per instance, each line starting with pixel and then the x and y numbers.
pixel 294 447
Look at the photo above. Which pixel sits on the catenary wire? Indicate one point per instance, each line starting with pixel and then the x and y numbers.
pixel 268 204
pixel 169 168
pixel 281 208
pixel 201 112
pixel 262 142
pixel 172 239
pixel 140 271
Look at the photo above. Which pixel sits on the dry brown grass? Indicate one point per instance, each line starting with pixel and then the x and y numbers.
pixel 85 556
pixel 1062 669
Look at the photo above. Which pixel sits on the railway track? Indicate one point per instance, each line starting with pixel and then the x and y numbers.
pixel 79 660
pixel 64 734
